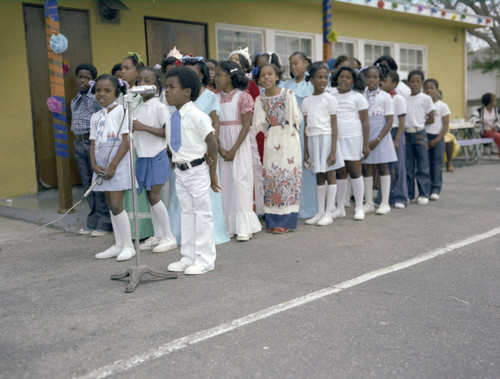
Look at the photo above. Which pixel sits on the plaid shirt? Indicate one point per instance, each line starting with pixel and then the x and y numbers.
pixel 83 106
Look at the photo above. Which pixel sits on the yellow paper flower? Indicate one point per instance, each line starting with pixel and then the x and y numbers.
pixel 332 37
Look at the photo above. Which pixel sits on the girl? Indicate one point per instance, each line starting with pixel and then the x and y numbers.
pixel 208 102
pixel 130 71
pixel 353 133
pixel 242 58
pixel 153 165
pixel 235 148
pixel 110 160
pixel 435 136
pixel 381 115
pixel 320 142
pixel 419 113
pixel 212 64
pixel 278 116
pixel 299 63
pixel 488 118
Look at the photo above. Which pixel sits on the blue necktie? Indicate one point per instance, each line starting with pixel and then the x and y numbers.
pixel 175 131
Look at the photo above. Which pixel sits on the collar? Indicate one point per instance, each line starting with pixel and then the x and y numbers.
pixel 186 107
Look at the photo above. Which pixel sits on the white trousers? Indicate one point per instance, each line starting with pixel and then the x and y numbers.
pixel 197 223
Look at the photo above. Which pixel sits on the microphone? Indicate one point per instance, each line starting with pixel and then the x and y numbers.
pixel 143 90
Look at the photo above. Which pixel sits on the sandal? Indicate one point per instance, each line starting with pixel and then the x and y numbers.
pixel 280 230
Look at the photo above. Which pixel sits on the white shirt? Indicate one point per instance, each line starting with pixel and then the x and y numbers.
pixel 348 120
pixel 318 110
pixel 400 107
pixel 441 111
pixel 403 90
pixel 195 127
pixel 112 124
pixel 419 106
pixel 155 114
pixel 382 106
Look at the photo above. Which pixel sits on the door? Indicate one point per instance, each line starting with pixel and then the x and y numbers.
pixel 162 35
pixel 74 25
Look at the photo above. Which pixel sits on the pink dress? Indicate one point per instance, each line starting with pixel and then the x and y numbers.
pixel 237 176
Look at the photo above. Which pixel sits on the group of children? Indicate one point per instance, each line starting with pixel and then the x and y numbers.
pixel 242 143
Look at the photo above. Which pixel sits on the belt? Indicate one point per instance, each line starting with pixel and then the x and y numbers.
pixel 413 130
pixel 82 137
pixel 188 165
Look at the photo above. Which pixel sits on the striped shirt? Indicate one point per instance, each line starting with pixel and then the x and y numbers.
pixel 83 106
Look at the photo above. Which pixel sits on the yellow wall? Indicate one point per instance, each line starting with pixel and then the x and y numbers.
pixel 110 44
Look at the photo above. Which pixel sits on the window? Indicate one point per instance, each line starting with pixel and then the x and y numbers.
pixel 229 40
pixel 373 51
pixel 411 59
pixel 287 45
pixel 343 48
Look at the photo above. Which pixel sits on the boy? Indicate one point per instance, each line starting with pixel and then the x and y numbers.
pixel 190 135
pixel 82 108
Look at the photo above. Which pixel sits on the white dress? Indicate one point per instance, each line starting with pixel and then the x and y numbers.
pixel 236 177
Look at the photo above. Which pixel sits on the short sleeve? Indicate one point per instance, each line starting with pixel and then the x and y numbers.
pixel 332 105
pixel 121 120
pixel 445 110
pixel 245 103
pixel 388 105
pixel 259 122
pixel 214 104
pixel 162 114
pixel 361 103
pixel 93 124
pixel 400 106
pixel 304 106
pixel 429 106
pixel 204 125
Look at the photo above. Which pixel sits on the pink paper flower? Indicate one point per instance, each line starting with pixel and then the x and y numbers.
pixel 54 105
pixel 65 68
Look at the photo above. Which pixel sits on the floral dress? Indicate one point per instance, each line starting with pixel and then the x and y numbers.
pixel 279 118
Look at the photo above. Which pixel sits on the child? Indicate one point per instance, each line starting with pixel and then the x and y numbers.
pixel 299 63
pixel 397 170
pixel 209 104
pixel 83 106
pixel 381 114
pixel 212 64
pixel 111 161
pixel 117 70
pixel 242 58
pixel 435 136
pixel 278 116
pixel 153 165
pixel 488 118
pixel 189 135
pixel 320 142
pixel 420 112
pixel 235 148
pixel 353 133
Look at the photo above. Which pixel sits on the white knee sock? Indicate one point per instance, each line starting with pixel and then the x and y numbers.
pixel 123 225
pixel 358 189
pixel 161 213
pixel 385 189
pixel 320 198
pixel 341 190
pixel 330 198
pixel 368 180
pixel 348 191
pixel 158 232
pixel 116 231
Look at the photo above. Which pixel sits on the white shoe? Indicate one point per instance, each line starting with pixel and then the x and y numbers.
pixel 399 206
pixel 422 200
pixel 112 252
pixel 196 270
pixel 383 209
pixel 435 196
pixel 359 214
pixel 325 220
pixel 315 219
pixel 368 208
pixel 177 267
pixel 337 213
pixel 244 237
pixel 149 243
pixel 86 230
pixel 165 244
pixel 127 253
pixel 100 233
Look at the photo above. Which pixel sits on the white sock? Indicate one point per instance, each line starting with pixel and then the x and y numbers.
pixel 368 180
pixel 385 189
pixel 161 213
pixel 358 189
pixel 348 191
pixel 341 190
pixel 123 225
pixel 330 199
pixel 158 232
pixel 320 198
pixel 116 231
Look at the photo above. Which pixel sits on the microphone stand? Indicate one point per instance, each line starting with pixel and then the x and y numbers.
pixel 137 272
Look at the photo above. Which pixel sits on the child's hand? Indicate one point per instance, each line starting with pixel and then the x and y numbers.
pixel 137 126
pixel 98 169
pixel 222 152
pixel 230 155
pixel 110 171
pixel 432 144
pixel 214 184
pixel 331 159
pixel 366 150
pixel 209 159
pixel 396 144
pixel 373 144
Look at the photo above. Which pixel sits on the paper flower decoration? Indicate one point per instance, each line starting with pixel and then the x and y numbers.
pixel 488 20
pixel 58 43
pixel 157 66
pixel 453 16
pixel 433 10
pixel 420 8
pixel 54 105
pixel 479 20
pixel 443 13
pixel 463 16
pixel 394 5
pixel 332 37
pixel 66 67
pixel 407 7
pixel 380 4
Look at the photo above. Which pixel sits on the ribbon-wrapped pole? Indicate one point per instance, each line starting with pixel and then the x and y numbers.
pixel 327 28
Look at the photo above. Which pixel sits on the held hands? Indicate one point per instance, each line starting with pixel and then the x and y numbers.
pixel 307 164
pixel 110 171
pixel 208 159
pixel 229 156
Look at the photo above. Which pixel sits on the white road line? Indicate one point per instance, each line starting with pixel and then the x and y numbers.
pixel 181 343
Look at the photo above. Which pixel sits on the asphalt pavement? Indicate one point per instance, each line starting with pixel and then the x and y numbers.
pixel 273 307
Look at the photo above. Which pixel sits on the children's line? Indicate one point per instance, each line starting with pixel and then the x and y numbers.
pixel 183 342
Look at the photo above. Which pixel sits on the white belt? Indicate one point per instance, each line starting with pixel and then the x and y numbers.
pixel 413 130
